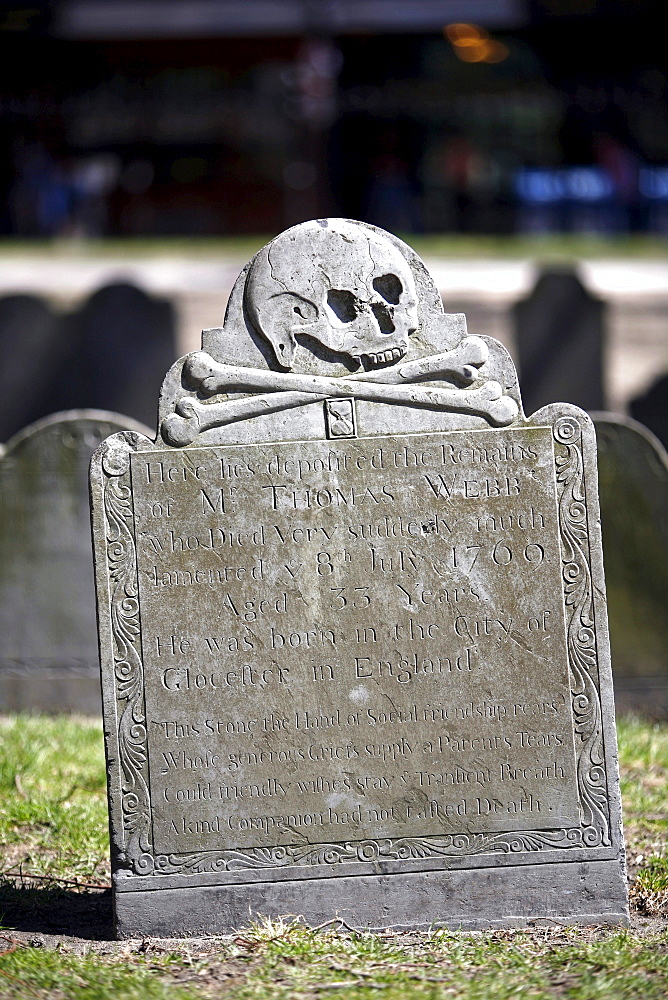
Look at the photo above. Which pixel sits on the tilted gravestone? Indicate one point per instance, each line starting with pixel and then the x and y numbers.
pixel 48 636
pixel 353 630
pixel 633 486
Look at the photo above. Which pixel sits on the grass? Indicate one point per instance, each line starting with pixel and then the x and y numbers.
pixel 288 961
pixel 53 825
pixel 558 246
pixel 28 973
pixel 53 813
pixel 643 753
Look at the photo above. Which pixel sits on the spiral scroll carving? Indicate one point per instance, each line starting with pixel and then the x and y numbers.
pixel 582 657
pixel 460 845
pixel 128 668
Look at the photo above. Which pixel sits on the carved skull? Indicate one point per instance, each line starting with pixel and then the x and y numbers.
pixel 338 282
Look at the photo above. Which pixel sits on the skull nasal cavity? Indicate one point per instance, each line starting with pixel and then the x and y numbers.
pixel 343 304
pixel 383 318
pixel 389 286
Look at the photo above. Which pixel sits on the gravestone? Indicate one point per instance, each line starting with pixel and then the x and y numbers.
pixel 48 637
pixel 559 332
pixel 111 354
pixel 352 620
pixel 650 408
pixel 123 340
pixel 633 487
pixel 33 349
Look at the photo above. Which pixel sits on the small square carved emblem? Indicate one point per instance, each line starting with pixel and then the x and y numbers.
pixel 340 418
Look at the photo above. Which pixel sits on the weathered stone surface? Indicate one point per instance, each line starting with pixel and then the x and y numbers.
pixel 470 899
pixel 352 619
pixel 633 485
pixel 48 636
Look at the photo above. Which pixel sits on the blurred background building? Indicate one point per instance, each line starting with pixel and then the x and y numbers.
pixel 209 117
pixel 186 124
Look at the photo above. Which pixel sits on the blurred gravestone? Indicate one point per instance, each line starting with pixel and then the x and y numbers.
pixel 651 409
pixel 110 354
pixel 48 636
pixel 559 331
pixel 633 483
pixel 123 342
pixel 32 347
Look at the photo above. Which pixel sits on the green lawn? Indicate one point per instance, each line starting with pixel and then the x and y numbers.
pixel 557 246
pixel 54 850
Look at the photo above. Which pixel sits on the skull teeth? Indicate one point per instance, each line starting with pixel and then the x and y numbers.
pixel 384 356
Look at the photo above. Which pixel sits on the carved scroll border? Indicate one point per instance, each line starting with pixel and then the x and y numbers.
pixel 581 634
pixel 136 852
pixel 594 830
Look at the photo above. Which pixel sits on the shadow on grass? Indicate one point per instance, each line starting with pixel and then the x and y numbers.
pixel 53 909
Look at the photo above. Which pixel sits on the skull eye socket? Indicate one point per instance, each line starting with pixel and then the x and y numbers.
pixel 343 304
pixel 389 286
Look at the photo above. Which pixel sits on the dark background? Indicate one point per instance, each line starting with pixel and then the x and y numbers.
pixel 169 117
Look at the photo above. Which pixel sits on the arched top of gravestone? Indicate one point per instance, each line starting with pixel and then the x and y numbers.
pixel 85 427
pixel 124 340
pixel 559 333
pixel 633 487
pixel 48 642
pixel 336 308
pixel 651 408
pixel 333 286
pixel 33 351
pixel 633 476
pixel 630 440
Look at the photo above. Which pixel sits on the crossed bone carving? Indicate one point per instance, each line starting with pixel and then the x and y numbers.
pixel 283 390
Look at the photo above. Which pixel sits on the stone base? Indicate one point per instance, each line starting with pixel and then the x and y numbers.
pixel 592 892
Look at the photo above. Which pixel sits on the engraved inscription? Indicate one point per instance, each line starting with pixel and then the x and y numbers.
pixel 352 640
